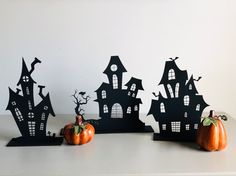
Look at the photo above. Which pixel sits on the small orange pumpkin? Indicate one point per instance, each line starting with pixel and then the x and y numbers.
pixel 211 134
pixel 78 132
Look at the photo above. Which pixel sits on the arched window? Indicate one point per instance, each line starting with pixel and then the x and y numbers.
pixel 129 93
pixel 186 100
pixel 115 82
pixel 133 95
pixel 133 87
pixel 170 90
pixel 185 114
pixel 190 87
pixel 177 90
pixel 116 111
pixel 18 114
pixel 171 74
pixel 198 107
pixel 105 109
pixel 129 110
pixel 162 108
pixel 104 94
pixel 136 108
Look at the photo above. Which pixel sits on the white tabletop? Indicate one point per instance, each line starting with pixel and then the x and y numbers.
pixel 114 154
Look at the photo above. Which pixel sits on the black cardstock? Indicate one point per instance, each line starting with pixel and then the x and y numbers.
pixel 31 119
pixel 179 113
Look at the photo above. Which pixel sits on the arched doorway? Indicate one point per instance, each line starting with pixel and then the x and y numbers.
pixel 116 111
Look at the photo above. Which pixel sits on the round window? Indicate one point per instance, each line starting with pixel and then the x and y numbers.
pixel 113 67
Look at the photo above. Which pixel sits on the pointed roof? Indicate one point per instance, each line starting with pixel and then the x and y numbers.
pixel 136 81
pixel 25 72
pixel 199 100
pixel 13 96
pixel 154 107
pixel 180 75
pixel 104 86
pixel 116 61
pixel 46 102
pixel 191 82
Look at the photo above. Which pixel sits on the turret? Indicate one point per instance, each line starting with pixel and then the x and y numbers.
pixel 114 72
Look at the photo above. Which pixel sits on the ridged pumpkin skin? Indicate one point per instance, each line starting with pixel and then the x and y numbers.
pixel 84 136
pixel 212 138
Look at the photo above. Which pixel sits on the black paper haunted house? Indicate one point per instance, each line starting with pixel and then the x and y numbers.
pixel 179 113
pixel 31 119
pixel 118 107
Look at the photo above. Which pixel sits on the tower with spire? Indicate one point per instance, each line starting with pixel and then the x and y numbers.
pixel 31 119
pixel 178 114
pixel 118 107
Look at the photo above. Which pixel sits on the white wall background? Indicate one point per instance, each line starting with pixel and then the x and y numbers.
pixel 75 39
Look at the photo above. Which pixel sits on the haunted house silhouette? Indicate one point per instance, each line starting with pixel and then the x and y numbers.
pixel 30 119
pixel 179 113
pixel 118 108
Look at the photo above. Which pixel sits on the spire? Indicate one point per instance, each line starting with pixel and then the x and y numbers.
pixel 25 75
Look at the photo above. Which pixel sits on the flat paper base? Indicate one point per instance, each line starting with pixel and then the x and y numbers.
pixel 119 126
pixel 35 141
pixel 174 137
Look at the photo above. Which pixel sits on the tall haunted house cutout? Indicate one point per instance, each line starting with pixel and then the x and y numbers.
pixel 118 107
pixel 30 119
pixel 179 113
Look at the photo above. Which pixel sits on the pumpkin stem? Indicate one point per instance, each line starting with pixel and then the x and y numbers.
pixel 79 119
pixel 212 113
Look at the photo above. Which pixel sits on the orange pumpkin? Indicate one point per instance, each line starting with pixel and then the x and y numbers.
pixel 78 132
pixel 211 134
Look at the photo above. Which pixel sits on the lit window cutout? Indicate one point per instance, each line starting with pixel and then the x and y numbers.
pixel 30 105
pixel 162 108
pixel 190 87
pixel 43 117
pixel 19 115
pixel 115 82
pixel 31 115
pixel 170 90
pixel 104 94
pixel 27 90
pixel 195 126
pixel 129 93
pixel 31 126
pixel 45 108
pixel 41 126
pixel 198 107
pixel 105 109
pixel 25 78
pixel 136 108
pixel 177 90
pixel 116 111
pixel 186 100
pixel 113 67
pixel 171 74
pixel 133 95
pixel 185 114
pixel 175 127
pixel 13 103
pixel 187 127
pixel 164 127
pixel 133 87
pixel 129 110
